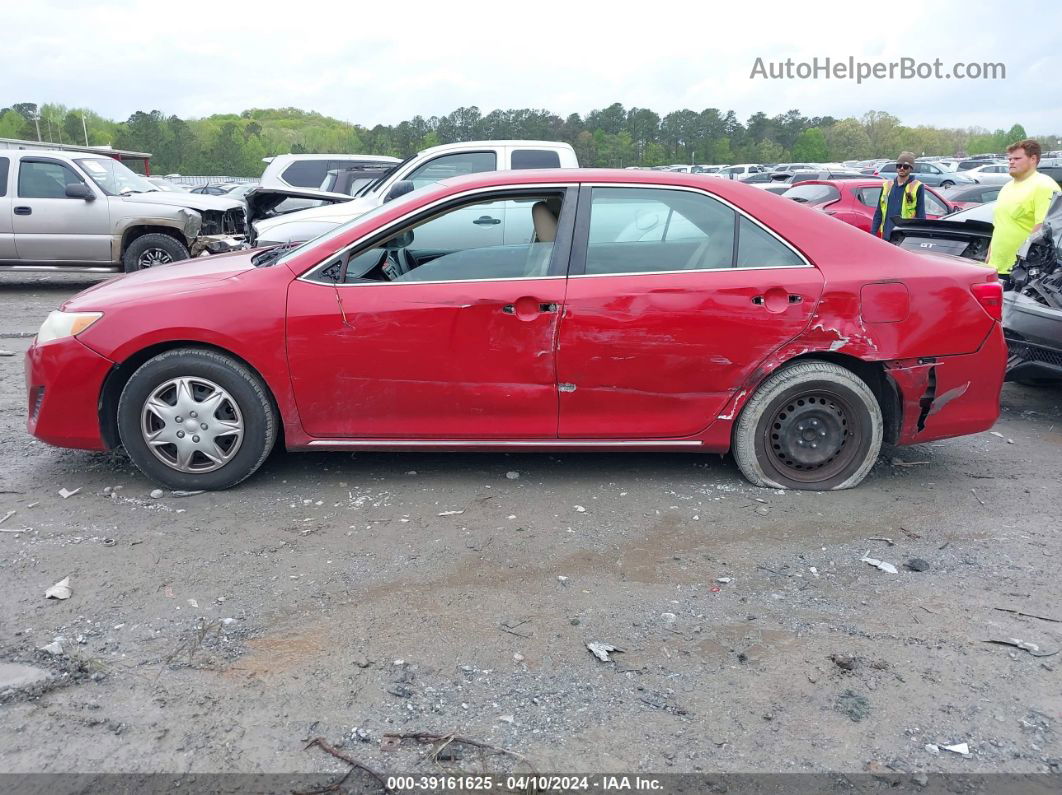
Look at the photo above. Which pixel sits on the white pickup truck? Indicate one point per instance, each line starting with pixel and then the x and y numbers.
pixel 424 168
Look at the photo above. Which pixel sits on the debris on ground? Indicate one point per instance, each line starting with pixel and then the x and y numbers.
pixel 156 494
pixel 917 564
pixel 512 475
pixel 899 462
pixel 580 509
pixel 1027 615
pixel 61 590
pixel 7 353
pixel 182 493
pixel 724 580
pixel 845 662
pixel 933 748
pixel 852 705
pixel 1017 643
pixel 55 648
pixel 888 541
pixel 962 749
pixel 66 493
pixel 354 765
pixel 602 650
pixel 7 516
pixel 451 513
pixel 879 564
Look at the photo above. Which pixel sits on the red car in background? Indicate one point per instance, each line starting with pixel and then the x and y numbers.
pixel 559 309
pixel 855 200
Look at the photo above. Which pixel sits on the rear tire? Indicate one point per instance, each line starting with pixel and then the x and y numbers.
pixel 812 425
pixel 152 250
pixel 947 184
pixel 196 419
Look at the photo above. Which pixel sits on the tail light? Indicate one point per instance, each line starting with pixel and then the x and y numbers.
pixel 990 296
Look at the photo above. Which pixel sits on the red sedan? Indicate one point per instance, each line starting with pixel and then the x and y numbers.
pixel 854 200
pixel 532 310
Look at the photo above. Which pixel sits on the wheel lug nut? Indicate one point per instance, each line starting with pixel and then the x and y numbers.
pixel 180 434
pixel 193 415
pixel 203 425
pixel 822 433
pixel 180 419
pixel 195 439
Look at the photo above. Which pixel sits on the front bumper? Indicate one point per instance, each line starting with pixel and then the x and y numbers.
pixel 64 380
pixel 1034 338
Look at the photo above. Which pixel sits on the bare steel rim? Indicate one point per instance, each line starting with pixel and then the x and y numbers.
pixel 154 256
pixel 814 436
pixel 192 425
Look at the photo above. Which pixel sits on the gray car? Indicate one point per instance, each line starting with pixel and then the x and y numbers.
pixel 73 211
pixel 931 174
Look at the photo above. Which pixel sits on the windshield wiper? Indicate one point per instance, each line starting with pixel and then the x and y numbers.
pixel 267 258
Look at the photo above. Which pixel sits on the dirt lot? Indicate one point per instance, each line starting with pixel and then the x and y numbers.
pixel 349 596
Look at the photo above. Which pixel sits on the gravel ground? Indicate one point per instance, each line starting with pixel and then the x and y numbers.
pixel 351 596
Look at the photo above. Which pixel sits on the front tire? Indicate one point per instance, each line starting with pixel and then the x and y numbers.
pixel 196 419
pixel 152 250
pixel 947 184
pixel 812 425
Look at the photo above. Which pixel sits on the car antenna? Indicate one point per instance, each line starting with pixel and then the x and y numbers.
pixel 334 273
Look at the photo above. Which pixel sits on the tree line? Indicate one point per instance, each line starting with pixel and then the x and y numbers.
pixel 615 136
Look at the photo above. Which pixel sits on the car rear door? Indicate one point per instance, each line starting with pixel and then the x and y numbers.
pixel 50 226
pixel 673 299
pixel 454 345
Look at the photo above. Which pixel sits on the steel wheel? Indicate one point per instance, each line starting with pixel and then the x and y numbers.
pixel 811 425
pixel 812 438
pixel 192 425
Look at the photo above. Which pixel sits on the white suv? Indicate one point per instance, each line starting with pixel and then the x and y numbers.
pixel 425 168
pixel 311 171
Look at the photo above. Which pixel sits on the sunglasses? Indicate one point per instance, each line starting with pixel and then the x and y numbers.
pixel 904 166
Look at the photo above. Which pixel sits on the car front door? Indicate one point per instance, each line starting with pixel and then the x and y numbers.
pixel 7 236
pixel 415 342
pixel 50 226
pixel 673 299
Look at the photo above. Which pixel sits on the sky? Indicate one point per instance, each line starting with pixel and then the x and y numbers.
pixel 386 63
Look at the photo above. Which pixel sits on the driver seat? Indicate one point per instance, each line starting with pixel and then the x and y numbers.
pixel 541 248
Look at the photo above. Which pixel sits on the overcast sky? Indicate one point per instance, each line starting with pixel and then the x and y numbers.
pixel 389 62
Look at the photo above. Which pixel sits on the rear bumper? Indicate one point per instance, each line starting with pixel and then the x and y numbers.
pixel 64 380
pixel 950 395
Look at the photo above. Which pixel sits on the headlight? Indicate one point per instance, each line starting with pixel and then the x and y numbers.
pixel 65 324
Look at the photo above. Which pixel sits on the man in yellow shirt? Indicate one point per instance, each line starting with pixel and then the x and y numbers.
pixel 1020 207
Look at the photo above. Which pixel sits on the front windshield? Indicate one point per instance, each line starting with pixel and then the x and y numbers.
pixel 341 229
pixel 369 187
pixel 113 178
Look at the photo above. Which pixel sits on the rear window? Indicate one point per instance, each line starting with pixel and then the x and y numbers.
pixel 5 164
pixel 306 173
pixel 535 158
pixel 812 194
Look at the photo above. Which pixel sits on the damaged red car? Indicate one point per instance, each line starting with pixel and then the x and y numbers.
pixel 534 310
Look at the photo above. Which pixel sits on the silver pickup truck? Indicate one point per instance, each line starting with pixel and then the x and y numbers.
pixel 72 211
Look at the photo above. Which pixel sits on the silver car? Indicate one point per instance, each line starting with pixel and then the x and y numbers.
pixel 73 211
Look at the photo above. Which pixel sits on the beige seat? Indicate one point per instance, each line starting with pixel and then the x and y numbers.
pixel 541 248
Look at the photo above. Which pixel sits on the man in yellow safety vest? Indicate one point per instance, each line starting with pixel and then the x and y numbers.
pixel 902 198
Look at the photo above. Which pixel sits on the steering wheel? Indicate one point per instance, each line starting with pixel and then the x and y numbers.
pixel 401 260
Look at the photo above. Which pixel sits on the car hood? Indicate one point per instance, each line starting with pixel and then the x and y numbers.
pixel 338 213
pixel 262 201
pixel 184 276
pixel 194 201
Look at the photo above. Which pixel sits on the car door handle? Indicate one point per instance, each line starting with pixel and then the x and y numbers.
pixel 528 308
pixel 23 211
pixel 486 220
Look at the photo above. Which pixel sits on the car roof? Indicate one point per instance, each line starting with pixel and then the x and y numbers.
pixel 492 144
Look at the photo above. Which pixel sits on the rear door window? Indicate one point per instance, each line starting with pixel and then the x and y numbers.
pixel 758 248
pixel 813 194
pixel 535 158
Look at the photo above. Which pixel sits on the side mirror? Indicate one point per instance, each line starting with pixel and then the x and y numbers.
pixel 400 188
pixel 80 191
